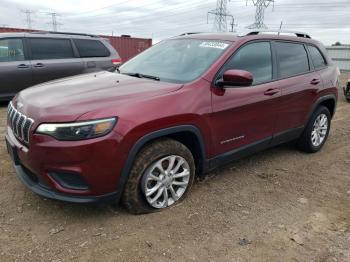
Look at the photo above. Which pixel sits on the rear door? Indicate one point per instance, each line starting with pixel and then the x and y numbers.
pixel 246 116
pixel 298 83
pixel 95 54
pixel 53 58
pixel 15 70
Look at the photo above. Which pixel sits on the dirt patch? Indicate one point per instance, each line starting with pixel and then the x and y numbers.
pixel 278 205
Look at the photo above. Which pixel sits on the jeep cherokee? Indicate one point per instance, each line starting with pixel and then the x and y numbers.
pixel 177 110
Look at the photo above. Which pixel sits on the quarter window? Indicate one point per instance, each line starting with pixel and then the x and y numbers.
pixel 91 48
pixel 291 59
pixel 254 58
pixel 317 58
pixel 11 50
pixel 47 48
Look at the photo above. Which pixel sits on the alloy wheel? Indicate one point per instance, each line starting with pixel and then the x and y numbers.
pixel 319 130
pixel 165 181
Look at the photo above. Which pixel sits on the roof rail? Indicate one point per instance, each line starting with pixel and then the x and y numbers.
pixel 61 33
pixel 190 33
pixel 298 34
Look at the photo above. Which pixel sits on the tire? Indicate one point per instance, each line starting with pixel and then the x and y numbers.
pixel 141 180
pixel 307 141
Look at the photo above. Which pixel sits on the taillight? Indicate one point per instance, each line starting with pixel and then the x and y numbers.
pixel 116 61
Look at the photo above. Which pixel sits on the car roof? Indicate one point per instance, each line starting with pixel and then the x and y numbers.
pixel 250 36
pixel 42 34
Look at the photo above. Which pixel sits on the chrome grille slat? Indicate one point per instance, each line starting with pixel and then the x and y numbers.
pixel 19 123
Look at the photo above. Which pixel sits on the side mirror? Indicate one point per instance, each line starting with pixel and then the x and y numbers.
pixel 235 78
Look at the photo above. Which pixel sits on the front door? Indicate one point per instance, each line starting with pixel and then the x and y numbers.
pixel 246 116
pixel 15 70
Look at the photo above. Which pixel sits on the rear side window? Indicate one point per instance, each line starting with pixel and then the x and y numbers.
pixel 11 50
pixel 91 48
pixel 49 48
pixel 254 58
pixel 317 58
pixel 291 59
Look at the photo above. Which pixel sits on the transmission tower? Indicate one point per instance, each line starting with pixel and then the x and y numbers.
pixel 28 17
pixel 54 22
pixel 221 14
pixel 261 5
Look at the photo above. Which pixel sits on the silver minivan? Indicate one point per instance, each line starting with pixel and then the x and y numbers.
pixel 27 59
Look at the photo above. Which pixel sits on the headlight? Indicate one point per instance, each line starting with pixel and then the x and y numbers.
pixel 78 130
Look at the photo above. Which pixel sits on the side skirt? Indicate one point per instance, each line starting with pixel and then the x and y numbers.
pixel 253 148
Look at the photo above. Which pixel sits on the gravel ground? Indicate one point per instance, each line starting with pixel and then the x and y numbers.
pixel 278 205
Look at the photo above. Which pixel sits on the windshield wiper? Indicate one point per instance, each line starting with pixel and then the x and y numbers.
pixel 139 75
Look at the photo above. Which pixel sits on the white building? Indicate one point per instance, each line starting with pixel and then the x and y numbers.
pixel 341 56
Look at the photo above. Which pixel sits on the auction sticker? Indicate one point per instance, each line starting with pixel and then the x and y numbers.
pixel 218 45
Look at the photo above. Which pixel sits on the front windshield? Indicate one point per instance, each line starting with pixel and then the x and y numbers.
pixel 176 60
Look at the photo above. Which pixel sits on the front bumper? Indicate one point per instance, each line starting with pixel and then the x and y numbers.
pixel 45 155
pixel 47 192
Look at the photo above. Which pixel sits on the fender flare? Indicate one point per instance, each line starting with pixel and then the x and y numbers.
pixel 318 102
pixel 124 176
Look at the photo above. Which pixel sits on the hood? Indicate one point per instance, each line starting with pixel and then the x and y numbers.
pixel 69 98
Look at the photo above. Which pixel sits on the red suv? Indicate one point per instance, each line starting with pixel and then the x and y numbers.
pixel 177 110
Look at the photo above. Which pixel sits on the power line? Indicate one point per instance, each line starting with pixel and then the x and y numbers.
pixel 28 14
pixel 221 14
pixel 261 5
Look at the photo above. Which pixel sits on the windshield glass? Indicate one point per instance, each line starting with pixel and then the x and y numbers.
pixel 177 60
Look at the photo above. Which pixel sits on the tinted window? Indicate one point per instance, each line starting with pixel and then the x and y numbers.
pixel 292 59
pixel 317 58
pixel 255 58
pixel 11 50
pixel 51 48
pixel 91 48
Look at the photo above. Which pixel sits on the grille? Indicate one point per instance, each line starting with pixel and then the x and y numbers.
pixel 19 123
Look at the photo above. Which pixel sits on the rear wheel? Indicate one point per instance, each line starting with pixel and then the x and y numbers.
pixel 161 177
pixel 316 131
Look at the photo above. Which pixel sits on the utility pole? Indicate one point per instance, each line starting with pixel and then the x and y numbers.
pixel 261 5
pixel 221 14
pixel 28 17
pixel 54 22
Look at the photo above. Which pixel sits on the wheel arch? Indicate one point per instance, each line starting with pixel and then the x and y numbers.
pixel 329 101
pixel 189 135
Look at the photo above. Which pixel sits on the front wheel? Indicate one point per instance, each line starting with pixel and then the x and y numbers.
pixel 161 177
pixel 316 131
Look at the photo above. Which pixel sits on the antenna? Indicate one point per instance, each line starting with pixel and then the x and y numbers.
pixel 261 5
pixel 280 27
pixel 221 14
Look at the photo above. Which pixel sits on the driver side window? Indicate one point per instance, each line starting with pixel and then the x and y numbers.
pixel 255 58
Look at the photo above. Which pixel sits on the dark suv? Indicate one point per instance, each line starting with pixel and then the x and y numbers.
pixel 179 109
pixel 27 59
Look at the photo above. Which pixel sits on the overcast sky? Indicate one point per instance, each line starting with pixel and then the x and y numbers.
pixel 327 21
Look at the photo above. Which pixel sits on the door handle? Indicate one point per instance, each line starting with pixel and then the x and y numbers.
pixel 315 81
pixel 271 91
pixel 23 66
pixel 39 65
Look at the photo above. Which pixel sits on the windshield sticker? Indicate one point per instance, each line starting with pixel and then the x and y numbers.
pixel 218 45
